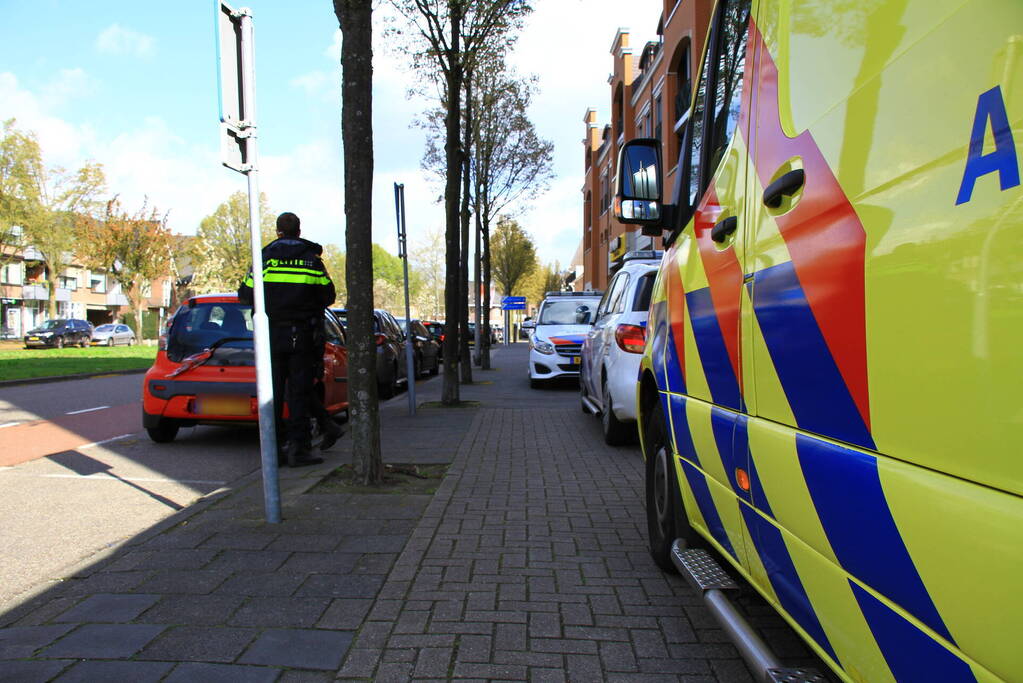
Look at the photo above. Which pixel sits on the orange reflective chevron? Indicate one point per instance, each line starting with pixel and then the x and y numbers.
pixel 819 302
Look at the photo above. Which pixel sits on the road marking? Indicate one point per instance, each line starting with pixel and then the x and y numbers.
pixel 87 410
pixel 100 443
pixel 9 424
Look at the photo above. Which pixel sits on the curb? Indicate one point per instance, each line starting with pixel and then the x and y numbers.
pixel 60 378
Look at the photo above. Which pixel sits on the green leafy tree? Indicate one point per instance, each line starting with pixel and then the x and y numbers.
pixel 135 248
pixel 335 263
pixel 20 170
pixel 221 252
pixel 513 255
pixel 428 259
pixel 445 37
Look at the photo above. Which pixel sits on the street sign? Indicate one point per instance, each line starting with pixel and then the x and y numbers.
pixel 513 300
pixel 234 76
pixel 513 306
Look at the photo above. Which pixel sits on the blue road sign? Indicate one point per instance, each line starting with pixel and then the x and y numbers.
pixel 513 306
pixel 513 300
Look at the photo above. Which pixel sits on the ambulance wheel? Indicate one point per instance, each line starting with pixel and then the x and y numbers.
pixel 666 520
pixel 164 431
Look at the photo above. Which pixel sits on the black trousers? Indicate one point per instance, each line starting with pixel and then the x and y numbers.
pixel 293 350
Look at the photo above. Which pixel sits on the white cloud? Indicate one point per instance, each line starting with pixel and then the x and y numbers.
pixel 117 40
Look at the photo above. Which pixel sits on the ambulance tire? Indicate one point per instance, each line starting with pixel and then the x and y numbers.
pixel 666 519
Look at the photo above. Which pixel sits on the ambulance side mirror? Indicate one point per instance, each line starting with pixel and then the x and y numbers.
pixel 638 192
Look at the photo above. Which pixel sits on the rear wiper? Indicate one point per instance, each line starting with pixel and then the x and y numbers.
pixel 197 359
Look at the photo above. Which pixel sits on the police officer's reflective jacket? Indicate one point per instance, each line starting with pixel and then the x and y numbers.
pixel 296 285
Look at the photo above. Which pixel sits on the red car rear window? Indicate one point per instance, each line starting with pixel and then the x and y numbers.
pixel 197 327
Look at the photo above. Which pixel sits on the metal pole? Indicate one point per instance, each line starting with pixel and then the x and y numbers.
pixel 260 323
pixel 410 363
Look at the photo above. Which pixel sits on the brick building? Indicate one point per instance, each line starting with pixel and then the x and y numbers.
pixel 649 95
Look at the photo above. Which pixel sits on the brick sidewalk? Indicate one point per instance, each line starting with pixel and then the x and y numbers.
pixel 529 563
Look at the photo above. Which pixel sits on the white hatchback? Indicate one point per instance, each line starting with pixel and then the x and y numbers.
pixel 558 334
pixel 614 346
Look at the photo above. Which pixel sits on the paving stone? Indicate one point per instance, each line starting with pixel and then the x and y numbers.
pixel 433 662
pixel 192 610
pixel 302 676
pixel 103 641
pixel 190 672
pixel 194 582
pixel 299 648
pixel 21 642
pixel 383 543
pixel 345 614
pixel 289 612
pixel 109 608
pixel 199 644
pixel 176 558
pixel 252 583
pixel 28 670
pixel 321 563
pixel 248 560
pixel 306 542
pixel 360 663
pixel 341 586
pixel 240 541
pixel 104 582
pixel 45 613
pixel 116 672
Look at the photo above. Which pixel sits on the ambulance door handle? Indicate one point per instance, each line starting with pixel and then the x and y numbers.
pixel 723 229
pixel 785 186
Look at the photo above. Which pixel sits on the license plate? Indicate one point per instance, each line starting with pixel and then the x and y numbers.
pixel 222 405
pixel 577 360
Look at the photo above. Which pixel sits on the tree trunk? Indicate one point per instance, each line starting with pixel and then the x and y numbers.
pixel 464 354
pixel 482 336
pixel 486 295
pixel 450 392
pixel 51 296
pixel 356 19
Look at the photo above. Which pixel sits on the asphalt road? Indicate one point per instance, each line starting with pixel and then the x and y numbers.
pixel 78 474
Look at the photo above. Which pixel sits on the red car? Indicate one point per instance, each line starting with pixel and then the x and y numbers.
pixel 205 369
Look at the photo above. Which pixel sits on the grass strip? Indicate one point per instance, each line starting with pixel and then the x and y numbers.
pixel 30 363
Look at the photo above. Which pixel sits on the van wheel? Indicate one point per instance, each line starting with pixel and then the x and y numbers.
pixel 616 432
pixel 665 517
pixel 164 431
pixel 59 343
pixel 84 342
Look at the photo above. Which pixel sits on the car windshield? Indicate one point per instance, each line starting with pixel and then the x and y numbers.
pixel 197 327
pixel 568 312
pixel 51 324
pixel 105 328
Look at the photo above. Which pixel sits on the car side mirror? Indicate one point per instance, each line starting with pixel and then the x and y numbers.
pixel 638 192
pixel 527 325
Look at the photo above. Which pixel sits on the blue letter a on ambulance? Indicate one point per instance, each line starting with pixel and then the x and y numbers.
pixel 990 106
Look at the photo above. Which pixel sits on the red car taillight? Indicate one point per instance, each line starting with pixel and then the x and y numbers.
pixel 631 338
pixel 381 339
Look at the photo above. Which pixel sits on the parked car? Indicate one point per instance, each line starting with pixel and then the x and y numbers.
pixel 390 340
pixel 556 338
pixel 427 349
pixel 59 333
pixel 113 334
pixel 205 371
pixel 614 346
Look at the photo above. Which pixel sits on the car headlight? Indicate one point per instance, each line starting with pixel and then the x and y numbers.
pixel 543 346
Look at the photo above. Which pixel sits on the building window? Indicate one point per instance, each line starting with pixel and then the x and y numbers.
pixel 67 282
pixel 605 195
pixel 98 283
pixel 658 117
pixel 12 274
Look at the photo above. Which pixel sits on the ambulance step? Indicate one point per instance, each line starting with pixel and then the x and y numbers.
pixel 707 577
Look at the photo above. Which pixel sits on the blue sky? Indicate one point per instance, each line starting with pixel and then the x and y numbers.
pixel 133 87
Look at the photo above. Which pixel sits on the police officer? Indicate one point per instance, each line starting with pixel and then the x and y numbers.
pixel 297 289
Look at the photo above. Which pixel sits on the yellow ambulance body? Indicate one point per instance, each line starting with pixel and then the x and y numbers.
pixel 830 394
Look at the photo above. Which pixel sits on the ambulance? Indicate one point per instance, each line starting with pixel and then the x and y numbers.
pixel 830 398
